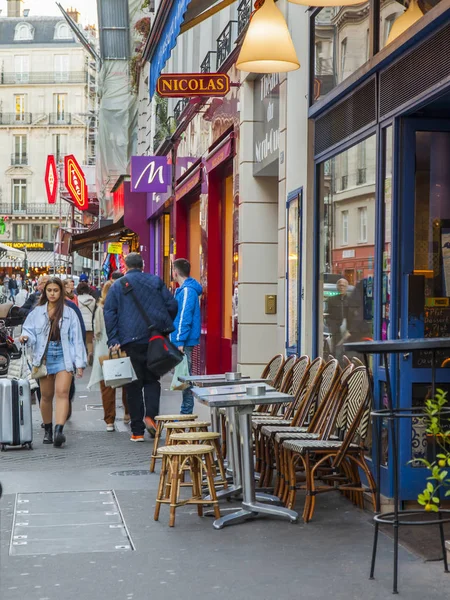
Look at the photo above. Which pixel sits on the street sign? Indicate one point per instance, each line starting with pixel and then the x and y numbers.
pixel 115 248
pixel 75 182
pixel 51 179
pixel 150 174
pixel 187 85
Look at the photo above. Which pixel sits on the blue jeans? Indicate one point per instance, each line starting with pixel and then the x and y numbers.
pixel 187 406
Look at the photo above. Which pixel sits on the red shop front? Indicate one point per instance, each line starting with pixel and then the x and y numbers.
pixel 206 211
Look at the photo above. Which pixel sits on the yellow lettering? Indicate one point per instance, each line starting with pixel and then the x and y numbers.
pixel 220 84
pixel 202 85
pixel 193 85
pixel 212 85
pixel 183 81
pixel 167 85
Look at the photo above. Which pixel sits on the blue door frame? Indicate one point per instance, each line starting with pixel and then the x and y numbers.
pixel 292 196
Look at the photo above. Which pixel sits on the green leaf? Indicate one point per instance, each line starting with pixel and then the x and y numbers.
pixel 447 493
pixel 430 487
pixel 434 508
pixel 435 499
pixel 421 501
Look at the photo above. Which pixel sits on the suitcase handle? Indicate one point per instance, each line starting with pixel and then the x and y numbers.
pixel 21 412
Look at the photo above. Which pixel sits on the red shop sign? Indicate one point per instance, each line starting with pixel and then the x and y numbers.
pixel 187 85
pixel 51 179
pixel 75 182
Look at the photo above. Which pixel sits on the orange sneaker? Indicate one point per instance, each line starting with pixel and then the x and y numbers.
pixel 137 438
pixel 150 425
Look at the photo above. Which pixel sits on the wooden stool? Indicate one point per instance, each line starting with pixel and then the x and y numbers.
pixel 174 459
pixel 161 420
pixel 211 437
pixel 183 426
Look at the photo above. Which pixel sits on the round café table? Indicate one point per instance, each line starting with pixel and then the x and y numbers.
pixel 393 414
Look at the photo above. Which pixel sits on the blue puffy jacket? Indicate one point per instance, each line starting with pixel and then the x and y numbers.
pixel 187 322
pixel 124 323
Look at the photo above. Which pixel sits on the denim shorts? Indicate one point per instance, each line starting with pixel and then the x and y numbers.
pixel 55 358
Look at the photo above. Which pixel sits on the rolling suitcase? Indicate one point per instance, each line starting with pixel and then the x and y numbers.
pixel 16 427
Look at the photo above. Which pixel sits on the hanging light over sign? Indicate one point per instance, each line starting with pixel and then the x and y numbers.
pixel 75 182
pixel 51 179
pixel 267 46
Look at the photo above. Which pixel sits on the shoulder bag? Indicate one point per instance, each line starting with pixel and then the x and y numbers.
pixel 162 355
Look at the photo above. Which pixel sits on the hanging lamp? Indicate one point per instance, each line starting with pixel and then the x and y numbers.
pixel 412 14
pixel 325 3
pixel 267 46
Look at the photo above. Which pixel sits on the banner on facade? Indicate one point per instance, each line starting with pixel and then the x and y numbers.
pixel 51 179
pixel 187 85
pixel 75 182
pixel 150 173
pixel 115 248
pixel 218 156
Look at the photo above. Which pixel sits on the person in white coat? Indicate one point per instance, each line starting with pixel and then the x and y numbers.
pixel 101 349
pixel 86 304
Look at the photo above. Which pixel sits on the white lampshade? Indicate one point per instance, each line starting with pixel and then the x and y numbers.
pixel 267 46
pixel 327 2
pixel 412 14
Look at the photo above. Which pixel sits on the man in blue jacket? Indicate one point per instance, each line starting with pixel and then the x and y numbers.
pixel 188 321
pixel 127 329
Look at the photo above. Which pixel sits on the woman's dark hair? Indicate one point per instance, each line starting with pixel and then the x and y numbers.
pixel 83 288
pixel 59 311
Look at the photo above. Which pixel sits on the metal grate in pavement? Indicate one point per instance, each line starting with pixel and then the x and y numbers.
pixel 68 523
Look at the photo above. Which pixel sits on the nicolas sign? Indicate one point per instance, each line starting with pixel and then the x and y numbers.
pixel 184 85
pixel 150 174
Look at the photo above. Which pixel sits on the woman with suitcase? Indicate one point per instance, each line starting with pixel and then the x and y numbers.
pixel 54 333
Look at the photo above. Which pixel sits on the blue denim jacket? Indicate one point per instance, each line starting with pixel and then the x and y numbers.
pixel 37 328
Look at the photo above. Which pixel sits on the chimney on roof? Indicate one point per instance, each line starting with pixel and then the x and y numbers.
pixel 15 8
pixel 74 14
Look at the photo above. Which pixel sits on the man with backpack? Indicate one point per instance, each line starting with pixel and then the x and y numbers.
pixel 130 299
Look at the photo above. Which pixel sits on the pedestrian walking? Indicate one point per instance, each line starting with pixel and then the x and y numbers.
pixel 187 322
pixel 18 282
pixel 69 289
pixel 94 291
pixel 22 296
pixel 101 349
pixel 12 286
pixel 33 299
pixel 56 341
pixel 127 330
pixel 86 304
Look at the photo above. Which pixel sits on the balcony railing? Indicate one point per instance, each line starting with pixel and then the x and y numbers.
pixel 244 12
pixel 225 42
pixel 62 118
pixel 205 67
pixel 179 107
pixel 43 77
pixel 15 119
pixel 6 208
pixel 361 178
pixel 18 160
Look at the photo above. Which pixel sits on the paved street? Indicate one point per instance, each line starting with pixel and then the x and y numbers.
pixel 328 558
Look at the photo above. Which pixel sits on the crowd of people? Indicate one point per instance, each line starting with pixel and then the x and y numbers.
pixel 67 329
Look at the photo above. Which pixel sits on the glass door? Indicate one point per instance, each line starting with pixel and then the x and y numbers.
pixel 425 279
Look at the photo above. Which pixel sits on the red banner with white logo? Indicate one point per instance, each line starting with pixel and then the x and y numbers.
pixel 75 182
pixel 51 179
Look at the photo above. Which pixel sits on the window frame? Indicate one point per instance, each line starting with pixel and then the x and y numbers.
pixel 362 218
pixel 22 185
pixel 344 227
pixel 22 26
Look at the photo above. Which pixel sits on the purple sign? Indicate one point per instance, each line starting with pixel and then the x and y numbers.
pixel 157 199
pixel 150 174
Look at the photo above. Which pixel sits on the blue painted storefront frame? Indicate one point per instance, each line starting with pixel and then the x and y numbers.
pixel 294 195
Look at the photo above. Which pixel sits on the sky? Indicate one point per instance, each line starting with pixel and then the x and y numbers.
pixel 48 8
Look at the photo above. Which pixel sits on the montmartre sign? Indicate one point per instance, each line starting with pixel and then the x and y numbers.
pixel 186 85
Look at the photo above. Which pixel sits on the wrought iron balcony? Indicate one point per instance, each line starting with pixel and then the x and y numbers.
pixel 43 208
pixel 61 118
pixel 18 160
pixel 43 77
pixel 225 43
pixel 16 119
pixel 179 107
pixel 244 12
pixel 205 67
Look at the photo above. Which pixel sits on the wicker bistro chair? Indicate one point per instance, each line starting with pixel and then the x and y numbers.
pixel 311 409
pixel 279 381
pixel 161 420
pixel 198 458
pixel 211 438
pixel 344 456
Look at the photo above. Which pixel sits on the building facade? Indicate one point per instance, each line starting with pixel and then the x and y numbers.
pixel 47 106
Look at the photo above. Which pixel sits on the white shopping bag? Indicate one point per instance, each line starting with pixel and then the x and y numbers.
pixel 181 370
pixel 118 372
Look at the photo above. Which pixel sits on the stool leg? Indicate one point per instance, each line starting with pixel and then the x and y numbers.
pixel 174 489
pixel 196 475
pixel 155 446
pixel 220 464
pixel 211 486
pixel 160 493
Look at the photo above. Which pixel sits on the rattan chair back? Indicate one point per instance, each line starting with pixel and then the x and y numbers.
pixel 294 380
pixel 307 390
pixel 329 376
pixel 273 368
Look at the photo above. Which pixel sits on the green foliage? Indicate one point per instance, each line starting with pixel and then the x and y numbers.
pixel 429 498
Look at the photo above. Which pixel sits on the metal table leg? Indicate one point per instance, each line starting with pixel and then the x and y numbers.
pixel 250 507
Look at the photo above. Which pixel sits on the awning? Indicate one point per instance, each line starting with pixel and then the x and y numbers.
pixel 219 154
pixel 191 180
pixel 93 236
pixel 11 253
pixel 43 258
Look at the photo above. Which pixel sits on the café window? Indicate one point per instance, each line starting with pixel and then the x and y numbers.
pixel 293 273
pixel 346 268
pixel 340 43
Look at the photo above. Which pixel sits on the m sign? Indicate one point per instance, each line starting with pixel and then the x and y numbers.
pixel 149 174
pixel 184 85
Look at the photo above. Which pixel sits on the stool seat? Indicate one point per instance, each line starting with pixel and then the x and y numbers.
pixel 176 417
pixel 186 424
pixel 186 450
pixel 194 436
